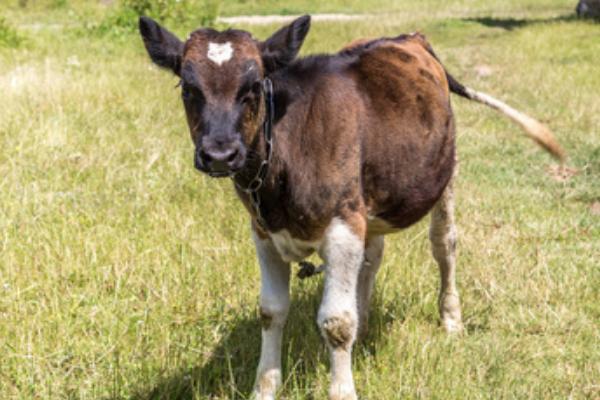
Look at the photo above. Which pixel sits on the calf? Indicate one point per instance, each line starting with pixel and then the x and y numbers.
pixel 588 8
pixel 327 153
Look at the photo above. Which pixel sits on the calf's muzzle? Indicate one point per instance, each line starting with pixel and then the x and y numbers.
pixel 220 158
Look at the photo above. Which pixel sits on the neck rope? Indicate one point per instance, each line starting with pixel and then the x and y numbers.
pixel 257 182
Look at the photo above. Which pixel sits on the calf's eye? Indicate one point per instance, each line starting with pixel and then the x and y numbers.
pixel 185 93
pixel 256 86
pixel 247 100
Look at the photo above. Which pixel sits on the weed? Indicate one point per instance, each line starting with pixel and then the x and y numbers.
pixel 9 37
pixel 123 18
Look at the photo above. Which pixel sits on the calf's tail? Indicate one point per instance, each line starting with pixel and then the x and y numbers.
pixel 532 127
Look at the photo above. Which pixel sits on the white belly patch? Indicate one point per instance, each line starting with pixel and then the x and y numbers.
pixel 377 226
pixel 219 52
pixel 291 249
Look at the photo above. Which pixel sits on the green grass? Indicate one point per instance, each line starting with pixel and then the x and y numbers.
pixel 125 274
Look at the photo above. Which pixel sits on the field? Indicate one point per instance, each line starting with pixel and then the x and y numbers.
pixel 124 274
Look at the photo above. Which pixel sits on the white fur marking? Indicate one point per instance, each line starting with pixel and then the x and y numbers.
pixel 343 252
pixel 274 302
pixel 219 52
pixel 378 226
pixel 292 249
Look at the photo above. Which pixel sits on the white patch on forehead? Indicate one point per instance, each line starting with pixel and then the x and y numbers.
pixel 219 52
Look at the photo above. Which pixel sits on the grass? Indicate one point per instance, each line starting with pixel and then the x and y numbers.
pixel 125 275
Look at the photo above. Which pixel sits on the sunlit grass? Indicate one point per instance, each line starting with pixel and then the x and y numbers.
pixel 125 274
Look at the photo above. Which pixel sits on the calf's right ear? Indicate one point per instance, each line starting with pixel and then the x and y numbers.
pixel 164 48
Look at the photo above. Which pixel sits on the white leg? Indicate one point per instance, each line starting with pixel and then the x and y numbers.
pixel 274 306
pixel 337 319
pixel 366 280
pixel 442 233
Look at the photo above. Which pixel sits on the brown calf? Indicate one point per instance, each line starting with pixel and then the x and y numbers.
pixel 328 153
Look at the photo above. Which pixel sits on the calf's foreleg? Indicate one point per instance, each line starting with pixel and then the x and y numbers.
pixel 343 251
pixel 274 307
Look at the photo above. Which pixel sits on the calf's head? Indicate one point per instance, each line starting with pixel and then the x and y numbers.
pixel 222 77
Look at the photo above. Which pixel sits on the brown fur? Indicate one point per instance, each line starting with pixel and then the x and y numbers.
pixel 338 331
pixel 376 138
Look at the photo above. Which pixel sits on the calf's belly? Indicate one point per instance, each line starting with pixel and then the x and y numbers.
pixel 401 191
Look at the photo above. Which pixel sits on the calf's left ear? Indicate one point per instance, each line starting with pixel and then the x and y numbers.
pixel 283 46
pixel 164 48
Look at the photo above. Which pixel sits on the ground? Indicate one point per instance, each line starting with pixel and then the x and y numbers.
pixel 126 274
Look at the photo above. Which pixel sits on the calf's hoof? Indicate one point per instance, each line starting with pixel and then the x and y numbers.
pixel 258 396
pixel 342 392
pixel 453 327
pixel 266 386
pixel 450 313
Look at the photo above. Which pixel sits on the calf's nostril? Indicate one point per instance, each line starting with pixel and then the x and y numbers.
pixel 232 156
pixel 205 156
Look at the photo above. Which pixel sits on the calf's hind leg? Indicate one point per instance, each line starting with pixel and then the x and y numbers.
pixel 442 234
pixel 366 281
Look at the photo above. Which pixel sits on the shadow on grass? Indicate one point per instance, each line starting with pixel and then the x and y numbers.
pixel 510 24
pixel 230 371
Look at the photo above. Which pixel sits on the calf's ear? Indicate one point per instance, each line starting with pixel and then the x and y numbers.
pixel 283 46
pixel 164 48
